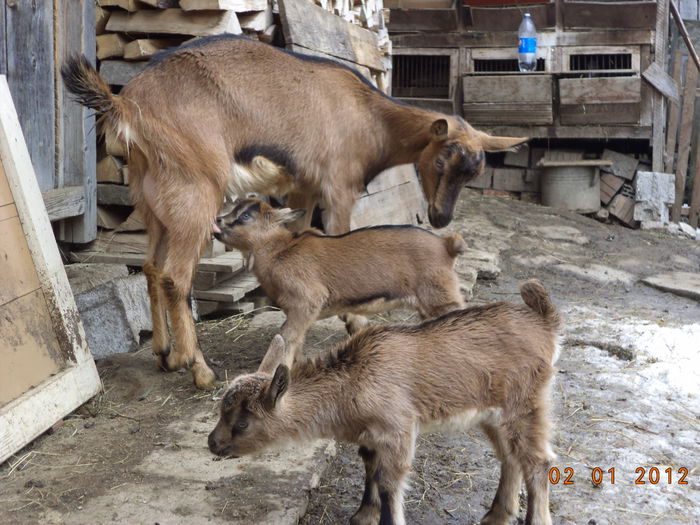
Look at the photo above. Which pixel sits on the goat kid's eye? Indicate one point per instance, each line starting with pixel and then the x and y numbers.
pixel 241 425
pixel 245 216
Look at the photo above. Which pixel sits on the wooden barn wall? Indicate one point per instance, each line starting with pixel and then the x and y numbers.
pixel 35 38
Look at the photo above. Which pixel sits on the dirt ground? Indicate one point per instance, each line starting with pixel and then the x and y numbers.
pixel 626 394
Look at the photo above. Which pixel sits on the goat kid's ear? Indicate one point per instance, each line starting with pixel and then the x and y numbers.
pixel 439 128
pixel 278 386
pixel 287 215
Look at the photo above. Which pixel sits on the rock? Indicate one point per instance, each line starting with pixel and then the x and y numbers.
pixel 597 273
pixel 486 264
pixel 685 284
pixel 113 306
pixel 655 211
pixel 559 233
pixel 687 230
pixel 654 187
pixel 535 261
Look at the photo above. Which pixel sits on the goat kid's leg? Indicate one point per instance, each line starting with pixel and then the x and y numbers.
pixel 294 329
pixel 505 505
pixel 393 464
pixel 530 445
pixel 370 508
pixel 176 282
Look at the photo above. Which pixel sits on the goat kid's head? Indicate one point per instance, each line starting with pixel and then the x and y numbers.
pixel 249 221
pixel 248 409
pixel 453 157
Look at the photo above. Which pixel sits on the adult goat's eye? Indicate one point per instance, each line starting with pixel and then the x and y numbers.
pixel 439 163
pixel 241 425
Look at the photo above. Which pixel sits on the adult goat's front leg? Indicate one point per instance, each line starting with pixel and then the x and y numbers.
pixel 176 283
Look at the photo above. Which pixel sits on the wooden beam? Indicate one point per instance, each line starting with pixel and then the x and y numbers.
pixel 695 197
pixel 110 45
pixel 610 15
pixel 161 4
pixel 113 194
pixel 684 136
pixel 411 20
pixel 673 116
pixel 684 34
pixel 240 6
pixel 145 48
pixel 312 27
pixel 658 103
pixel 175 21
pixel 119 72
pixel 62 203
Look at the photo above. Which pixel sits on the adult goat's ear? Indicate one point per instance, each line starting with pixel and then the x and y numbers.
pixel 439 128
pixel 278 386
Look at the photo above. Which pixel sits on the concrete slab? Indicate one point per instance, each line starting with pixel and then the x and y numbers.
pixel 558 233
pixel 268 489
pixel 85 276
pixel 685 284
pixel 535 261
pixel 486 263
pixel 597 273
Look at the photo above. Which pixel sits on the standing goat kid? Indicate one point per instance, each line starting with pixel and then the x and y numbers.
pixel 196 121
pixel 311 276
pixel 487 365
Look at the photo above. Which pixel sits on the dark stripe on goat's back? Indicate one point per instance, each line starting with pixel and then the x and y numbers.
pixel 316 233
pixel 370 298
pixel 272 152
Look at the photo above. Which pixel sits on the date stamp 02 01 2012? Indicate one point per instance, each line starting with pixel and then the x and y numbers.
pixel 651 475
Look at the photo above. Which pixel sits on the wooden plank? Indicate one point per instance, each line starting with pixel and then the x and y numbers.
pixel 661 81
pixel 438 105
pixel 658 103
pixel 144 48
pixel 175 21
pixel 403 20
pixel 604 90
pixel 65 202
pixel 119 72
pixel 622 207
pixel 673 117
pixel 364 71
pixel 113 194
pixel 600 114
pixel 77 140
pixel 256 21
pixel 505 39
pixel 3 50
pixel 240 6
pixel 101 18
pixel 536 89
pixel 547 163
pixel 312 27
pixel 229 262
pixel 684 136
pixel 29 415
pixel 20 277
pixel 109 218
pixel 161 4
pixel 507 19
pixel 606 132
pixel 112 145
pixel 31 80
pixel 127 5
pixel 694 211
pixel 229 291
pixel 110 45
pixel 598 15
pixel 483 180
pixel 513 179
pixel 504 113
pixel 609 186
pixel 134 222
pixel 622 165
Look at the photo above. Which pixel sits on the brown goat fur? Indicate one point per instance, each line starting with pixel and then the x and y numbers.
pixel 487 365
pixel 194 121
pixel 311 276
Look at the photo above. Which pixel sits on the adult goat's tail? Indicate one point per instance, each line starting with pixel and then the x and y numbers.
pixel 536 297
pixel 91 90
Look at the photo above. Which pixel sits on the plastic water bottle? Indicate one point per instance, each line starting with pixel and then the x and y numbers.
pixel 527 48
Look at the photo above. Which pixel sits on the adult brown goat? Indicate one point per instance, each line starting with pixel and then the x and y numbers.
pixel 488 365
pixel 197 118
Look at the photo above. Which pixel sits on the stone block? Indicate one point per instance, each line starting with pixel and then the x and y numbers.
pixel 113 306
pixel 651 211
pixel 654 186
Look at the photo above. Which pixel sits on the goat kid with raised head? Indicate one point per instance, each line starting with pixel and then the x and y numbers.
pixel 486 365
pixel 194 121
pixel 312 276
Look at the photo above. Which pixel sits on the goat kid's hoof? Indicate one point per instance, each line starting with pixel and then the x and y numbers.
pixel 492 518
pixel 204 377
pixel 365 516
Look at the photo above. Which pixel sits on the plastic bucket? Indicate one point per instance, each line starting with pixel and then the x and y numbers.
pixel 575 188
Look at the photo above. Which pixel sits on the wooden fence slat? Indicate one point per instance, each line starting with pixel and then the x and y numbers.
pixel 659 107
pixel 76 145
pixel 695 199
pixel 685 133
pixel 673 115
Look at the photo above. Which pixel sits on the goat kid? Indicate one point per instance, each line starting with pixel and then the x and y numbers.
pixel 312 276
pixel 194 121
pixel 487 365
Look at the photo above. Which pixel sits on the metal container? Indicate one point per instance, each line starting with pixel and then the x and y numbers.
pixel 575 188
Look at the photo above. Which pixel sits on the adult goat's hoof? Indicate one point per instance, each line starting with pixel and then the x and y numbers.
pixel 204 377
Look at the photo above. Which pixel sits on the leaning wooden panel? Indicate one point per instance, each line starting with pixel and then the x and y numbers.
pixel 54 339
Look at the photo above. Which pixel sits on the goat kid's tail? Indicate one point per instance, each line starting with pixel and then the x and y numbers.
pixel 536 297
pixel 455 244
pixel 91 90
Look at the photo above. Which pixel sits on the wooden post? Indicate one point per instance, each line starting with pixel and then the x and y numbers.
pixel 76 145
pixel 674 113
pixel 695 199
pixel 684 136
pixel 657 139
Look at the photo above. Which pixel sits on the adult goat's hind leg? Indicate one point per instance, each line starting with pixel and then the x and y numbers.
pixel 152 269
pixel 181 260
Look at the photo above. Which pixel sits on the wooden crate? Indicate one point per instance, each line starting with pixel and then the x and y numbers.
pixel 508 99
pixel 604 100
